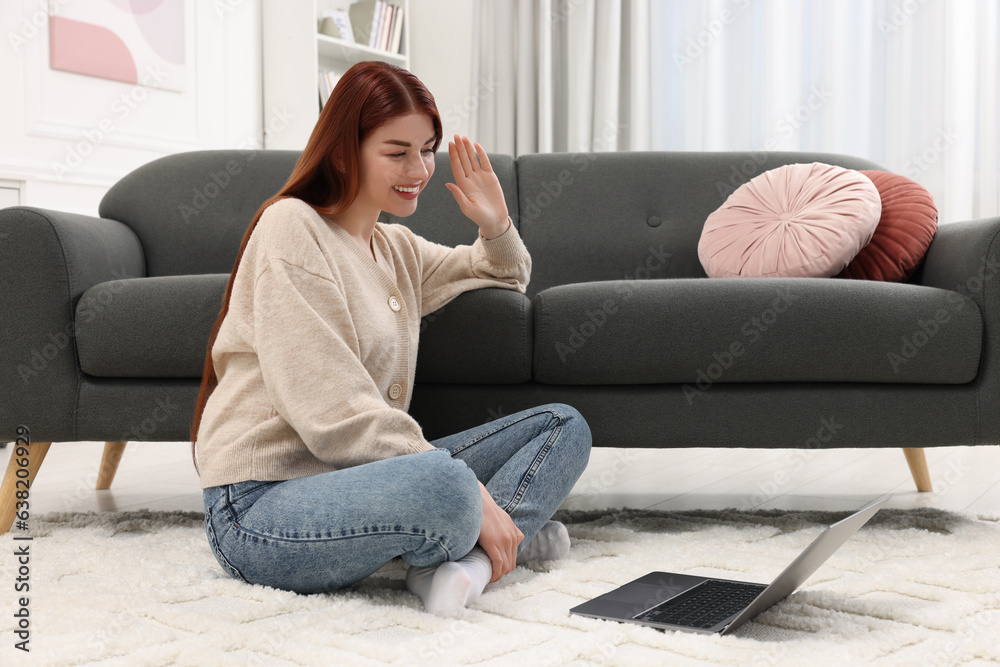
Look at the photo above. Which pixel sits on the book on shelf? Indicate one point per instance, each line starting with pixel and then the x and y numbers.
pixel 397 29
pixel 378 24
pixel 383 41
pixel 327 82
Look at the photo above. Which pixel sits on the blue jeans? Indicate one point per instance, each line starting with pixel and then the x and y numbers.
pixel 327 531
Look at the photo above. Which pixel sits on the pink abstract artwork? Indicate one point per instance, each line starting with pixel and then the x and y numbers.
pixel 85 48
pixel 131 41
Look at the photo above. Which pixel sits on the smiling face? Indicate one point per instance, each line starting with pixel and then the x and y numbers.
pixel 399 154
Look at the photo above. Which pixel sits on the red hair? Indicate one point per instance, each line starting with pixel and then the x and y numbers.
pixel 326 176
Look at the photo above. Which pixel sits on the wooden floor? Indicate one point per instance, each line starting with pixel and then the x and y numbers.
pixel 160 476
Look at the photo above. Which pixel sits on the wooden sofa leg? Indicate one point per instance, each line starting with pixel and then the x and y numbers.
pixel 109 464
pixel 918 468
pixel 10 487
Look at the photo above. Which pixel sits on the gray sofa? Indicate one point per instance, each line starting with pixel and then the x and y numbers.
pixel 106 319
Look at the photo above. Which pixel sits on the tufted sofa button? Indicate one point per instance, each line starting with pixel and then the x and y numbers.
pixel 395 391
pixel 653 221
pixel 394 303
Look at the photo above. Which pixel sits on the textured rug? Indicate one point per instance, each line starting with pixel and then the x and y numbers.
pixel 141 588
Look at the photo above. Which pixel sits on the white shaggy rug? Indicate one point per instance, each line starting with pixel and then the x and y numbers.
pixel 142 588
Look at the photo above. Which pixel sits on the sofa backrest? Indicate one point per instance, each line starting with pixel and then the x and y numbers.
pixel 191 210
pixel 631 215
pixel 583 216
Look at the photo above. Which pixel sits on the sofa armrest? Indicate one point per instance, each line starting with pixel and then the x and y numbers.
pixel 48 259
pixel 964 257
pixel 482 336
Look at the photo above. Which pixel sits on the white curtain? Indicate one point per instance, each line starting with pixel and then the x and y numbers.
pixel 909 84
pixel 566 75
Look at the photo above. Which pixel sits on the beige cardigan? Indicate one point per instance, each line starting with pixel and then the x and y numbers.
pixel 317 353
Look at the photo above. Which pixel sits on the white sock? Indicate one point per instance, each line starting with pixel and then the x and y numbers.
pixel 448 588
pixel 550 543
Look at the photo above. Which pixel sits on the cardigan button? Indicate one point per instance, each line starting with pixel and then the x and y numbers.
pixel 395 391
pixel 394 303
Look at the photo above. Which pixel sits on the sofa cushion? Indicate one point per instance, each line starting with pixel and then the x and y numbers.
pixel 148 327
pixel 721 330
pixel 904 233
pixel 483 336
pixel 159 327
pixel 799 220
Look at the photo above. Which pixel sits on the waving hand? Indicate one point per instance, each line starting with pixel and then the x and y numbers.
pixel 477 189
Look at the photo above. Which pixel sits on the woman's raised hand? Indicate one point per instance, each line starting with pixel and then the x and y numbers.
pixel 477 189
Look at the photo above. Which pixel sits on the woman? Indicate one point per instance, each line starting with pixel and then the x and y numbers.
pixel 314 475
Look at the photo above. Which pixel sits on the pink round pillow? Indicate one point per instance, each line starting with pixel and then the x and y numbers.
pixel 796 221
pixel 904 232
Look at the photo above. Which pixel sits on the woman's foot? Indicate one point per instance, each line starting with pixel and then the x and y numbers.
pixel 448 588
pixel 550 543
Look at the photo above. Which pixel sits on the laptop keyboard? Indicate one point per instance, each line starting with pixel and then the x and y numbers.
pixel 704 606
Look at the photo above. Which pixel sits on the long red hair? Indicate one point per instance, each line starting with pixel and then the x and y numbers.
pixel 368 95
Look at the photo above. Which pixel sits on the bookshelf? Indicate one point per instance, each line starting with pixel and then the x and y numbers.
pixel 294 52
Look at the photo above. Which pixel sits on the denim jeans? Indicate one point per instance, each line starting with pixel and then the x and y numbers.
pixel 327 531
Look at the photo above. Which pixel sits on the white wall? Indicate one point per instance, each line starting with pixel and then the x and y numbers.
pixel 9 195
pixel 66 138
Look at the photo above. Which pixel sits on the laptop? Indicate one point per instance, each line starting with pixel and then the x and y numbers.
pixel 672 601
